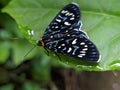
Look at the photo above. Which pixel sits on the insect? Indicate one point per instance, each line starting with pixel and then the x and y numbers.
pixel 64 35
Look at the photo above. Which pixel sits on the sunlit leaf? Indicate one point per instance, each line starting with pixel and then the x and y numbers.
pixel 100 18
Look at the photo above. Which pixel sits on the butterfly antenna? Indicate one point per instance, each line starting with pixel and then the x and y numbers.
pixel 29 51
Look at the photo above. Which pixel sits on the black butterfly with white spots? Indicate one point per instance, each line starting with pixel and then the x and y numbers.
pixel 64 35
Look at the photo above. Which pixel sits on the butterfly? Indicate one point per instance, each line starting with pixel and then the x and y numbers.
pixel 64 35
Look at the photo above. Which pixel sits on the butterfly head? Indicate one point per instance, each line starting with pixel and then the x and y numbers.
pixel 40 43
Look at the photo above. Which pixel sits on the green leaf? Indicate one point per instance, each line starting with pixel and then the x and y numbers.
pixel 20 49
pixel 4 48
pixel 100 18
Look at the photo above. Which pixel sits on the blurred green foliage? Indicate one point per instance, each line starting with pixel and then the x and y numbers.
pixel 16 66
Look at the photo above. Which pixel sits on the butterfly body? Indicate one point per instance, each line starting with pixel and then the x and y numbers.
pixel 64 35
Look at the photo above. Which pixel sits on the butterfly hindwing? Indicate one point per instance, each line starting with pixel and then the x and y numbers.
pixel 68 17
pixel 74 45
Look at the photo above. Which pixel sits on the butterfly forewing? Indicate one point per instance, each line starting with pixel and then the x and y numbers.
pixel 68 17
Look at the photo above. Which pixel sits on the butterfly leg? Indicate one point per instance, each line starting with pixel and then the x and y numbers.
pixel 58 56
pixel 47 52
pixel 85 33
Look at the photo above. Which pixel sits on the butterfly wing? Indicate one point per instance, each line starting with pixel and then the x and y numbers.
pixel 67 18
pixel 64 35
pixel 75 45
